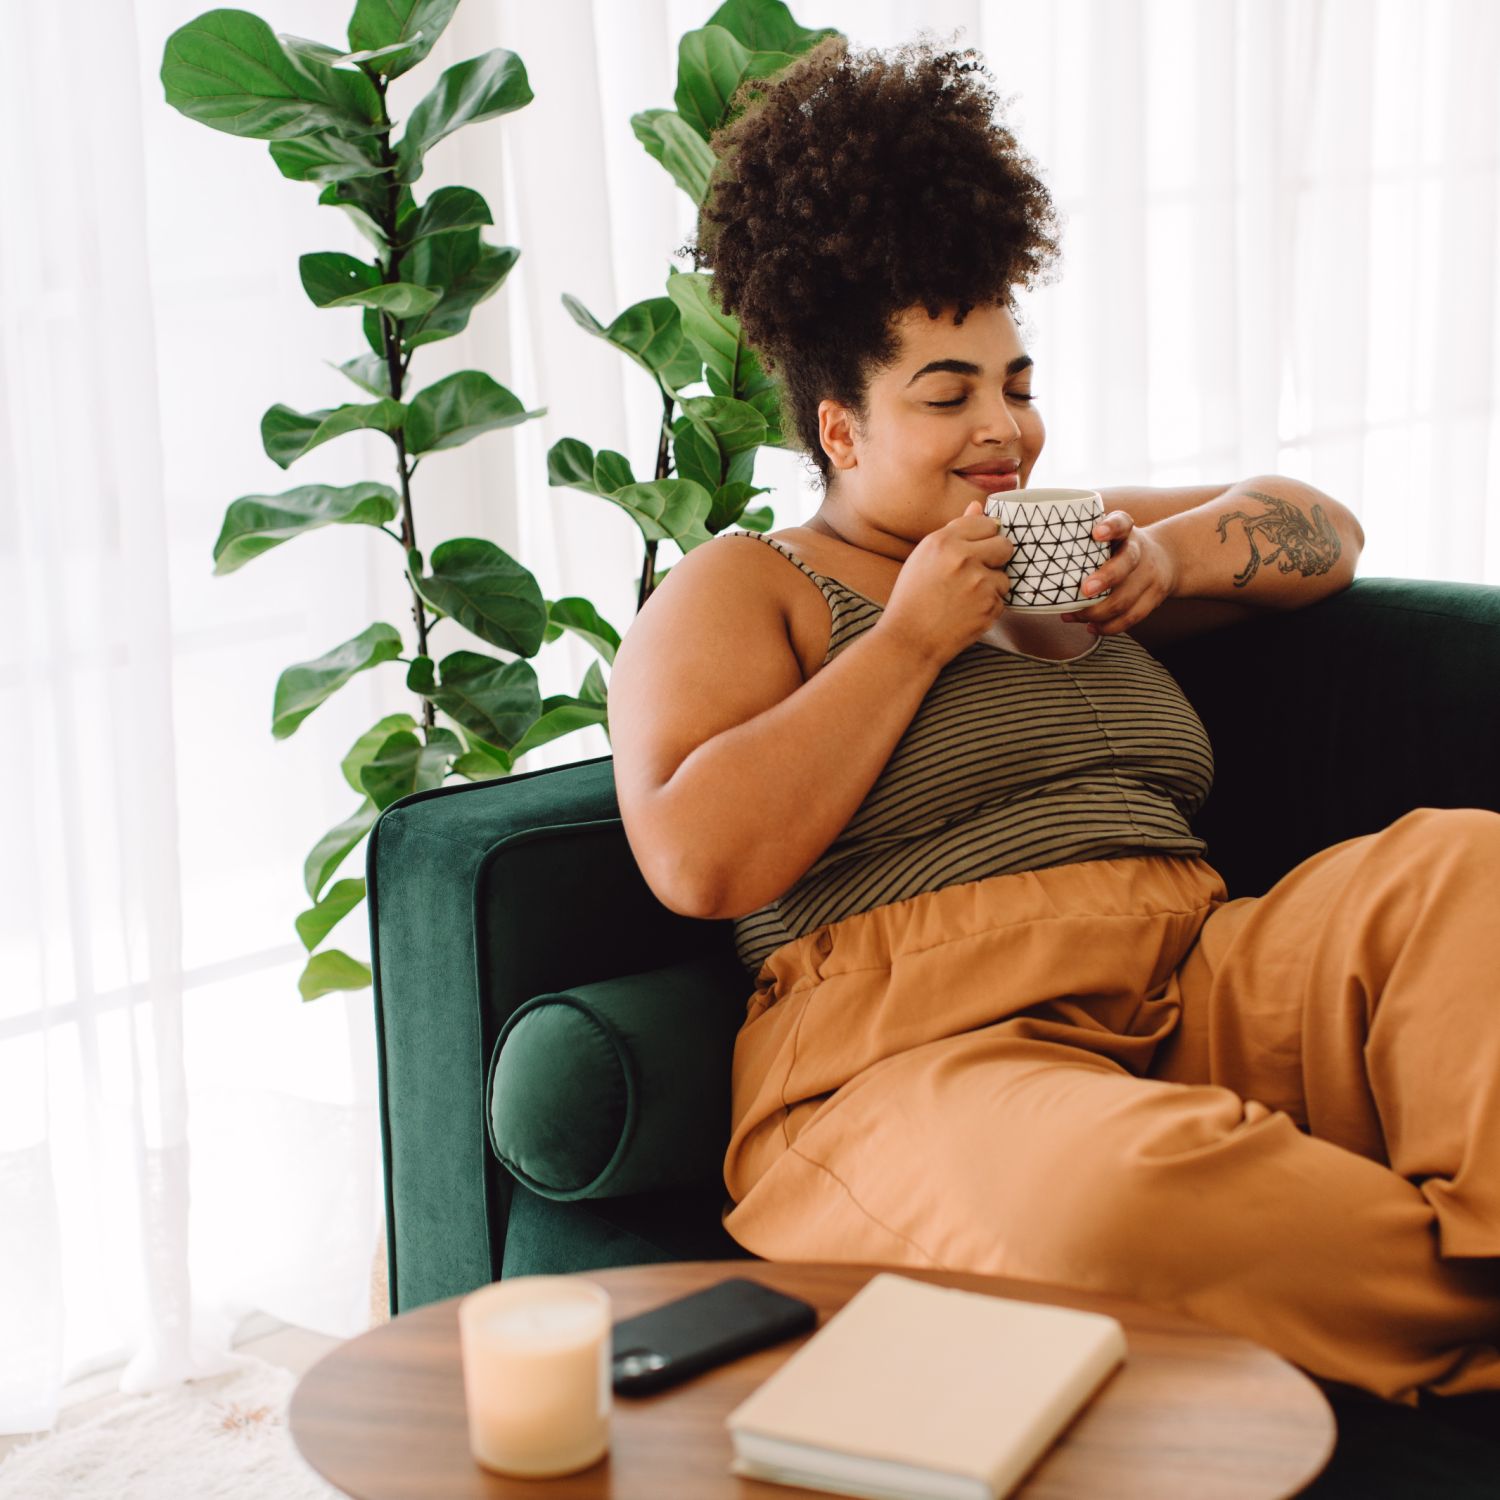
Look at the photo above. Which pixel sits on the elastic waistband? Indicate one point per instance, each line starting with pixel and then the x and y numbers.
pixel 1097 890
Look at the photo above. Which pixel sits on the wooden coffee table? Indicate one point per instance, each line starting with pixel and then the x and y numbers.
pixel 1193 1412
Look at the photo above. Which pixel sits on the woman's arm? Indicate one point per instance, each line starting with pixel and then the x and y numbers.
pixel 1268 541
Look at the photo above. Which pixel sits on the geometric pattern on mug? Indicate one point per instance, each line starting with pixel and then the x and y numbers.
pixel 1054 552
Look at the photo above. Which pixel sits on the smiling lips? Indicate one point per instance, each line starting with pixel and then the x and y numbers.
pixel 993 477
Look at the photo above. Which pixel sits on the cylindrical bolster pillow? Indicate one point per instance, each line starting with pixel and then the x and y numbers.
pixel 621 1086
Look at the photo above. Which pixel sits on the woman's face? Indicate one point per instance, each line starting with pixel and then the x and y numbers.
pixel 895 479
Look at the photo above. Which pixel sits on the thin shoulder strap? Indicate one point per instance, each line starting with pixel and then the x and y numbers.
pixel 821 579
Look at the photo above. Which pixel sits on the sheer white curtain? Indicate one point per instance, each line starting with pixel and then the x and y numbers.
pixel 1279 256
pixel 1281 253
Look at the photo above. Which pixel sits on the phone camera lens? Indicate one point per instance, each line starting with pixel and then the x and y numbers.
pixel 638 1363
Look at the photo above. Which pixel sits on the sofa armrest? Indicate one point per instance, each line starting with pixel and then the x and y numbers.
pixel 482 895
pixel 622 1086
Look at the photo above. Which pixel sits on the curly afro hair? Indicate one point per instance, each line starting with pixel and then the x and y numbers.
pixel 851 188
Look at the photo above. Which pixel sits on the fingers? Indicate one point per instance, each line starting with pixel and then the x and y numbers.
pixel 1116 524
pixel 1122 563
pixel 1128 604
pixel 1145 601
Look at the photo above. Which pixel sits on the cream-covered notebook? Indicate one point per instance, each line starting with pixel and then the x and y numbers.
pixel 913 1391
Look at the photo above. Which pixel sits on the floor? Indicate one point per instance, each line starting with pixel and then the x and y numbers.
pixel 294 1349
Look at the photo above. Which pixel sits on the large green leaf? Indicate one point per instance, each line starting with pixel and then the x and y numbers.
pixel 745 378
pixel 333 848
pixel 367 216
pixel 301 688
pixel 447 210
pixel 715 334
pixel 696 456
pixel 365 748
pixel 611 472
pixel 498 701
pixel 368 193
pixel 714 440
pixel 766 26
pixel 579 616
pixel 323 916
pixel 711 63
pixel 668 510
pixel 767 401
pixel 487 591
pixel 650 332
pixel 483 762
pixel 729 505
pixel 333 969
pixel 731 367
pixel 571 463
pixel 286 434
pixel 593 689
pixel 404 765
pixel 332 279
pixel 374 328
pixel 325 156
pixel 401 299
pixel 330 274
pixel 560 715
pixel 370 372
pixel 229 70
pixel 381 24
pixel 484 87
pixel 460 407
pixel 255 523
pixel 465 269
pixel 678 147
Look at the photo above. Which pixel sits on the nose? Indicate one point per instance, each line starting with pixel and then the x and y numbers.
pixel 998 421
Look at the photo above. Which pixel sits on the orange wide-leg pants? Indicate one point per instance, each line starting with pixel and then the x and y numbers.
pixel 1279 1114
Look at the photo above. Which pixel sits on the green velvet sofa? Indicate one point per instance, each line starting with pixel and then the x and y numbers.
pixel 554 1043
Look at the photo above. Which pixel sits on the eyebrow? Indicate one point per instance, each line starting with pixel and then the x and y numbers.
pixel 965 367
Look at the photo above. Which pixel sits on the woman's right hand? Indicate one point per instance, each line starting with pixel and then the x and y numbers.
pixel 952 587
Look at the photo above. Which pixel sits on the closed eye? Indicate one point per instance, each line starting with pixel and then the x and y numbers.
pixel 959 400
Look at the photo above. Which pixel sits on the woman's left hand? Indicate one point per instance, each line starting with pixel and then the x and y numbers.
pixel 1140 574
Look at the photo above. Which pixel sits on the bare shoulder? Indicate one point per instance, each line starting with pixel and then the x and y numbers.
pixel 710 649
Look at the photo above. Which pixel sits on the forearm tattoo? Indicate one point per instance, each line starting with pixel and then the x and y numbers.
pixel 1308 544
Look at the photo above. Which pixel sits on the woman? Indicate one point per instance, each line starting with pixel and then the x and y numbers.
pixel 1005 1017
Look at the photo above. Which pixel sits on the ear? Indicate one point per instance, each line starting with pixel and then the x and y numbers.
pixel 835 432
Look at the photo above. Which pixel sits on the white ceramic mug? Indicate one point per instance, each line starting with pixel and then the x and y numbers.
pixel 1055 547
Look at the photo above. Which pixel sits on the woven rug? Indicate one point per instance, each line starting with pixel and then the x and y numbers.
pixel 224 1438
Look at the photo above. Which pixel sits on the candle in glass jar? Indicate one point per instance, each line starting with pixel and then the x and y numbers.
pixel 536 1363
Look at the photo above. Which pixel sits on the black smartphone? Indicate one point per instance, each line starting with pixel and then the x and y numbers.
pixel 669 1343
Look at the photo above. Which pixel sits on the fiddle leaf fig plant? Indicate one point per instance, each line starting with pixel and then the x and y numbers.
pixel 707 440
pixel 323 111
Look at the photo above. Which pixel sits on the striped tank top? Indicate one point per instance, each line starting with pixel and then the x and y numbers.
pixel 1010 763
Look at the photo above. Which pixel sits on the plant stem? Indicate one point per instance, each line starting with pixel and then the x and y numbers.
pixel 397 372
pixel 648 571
